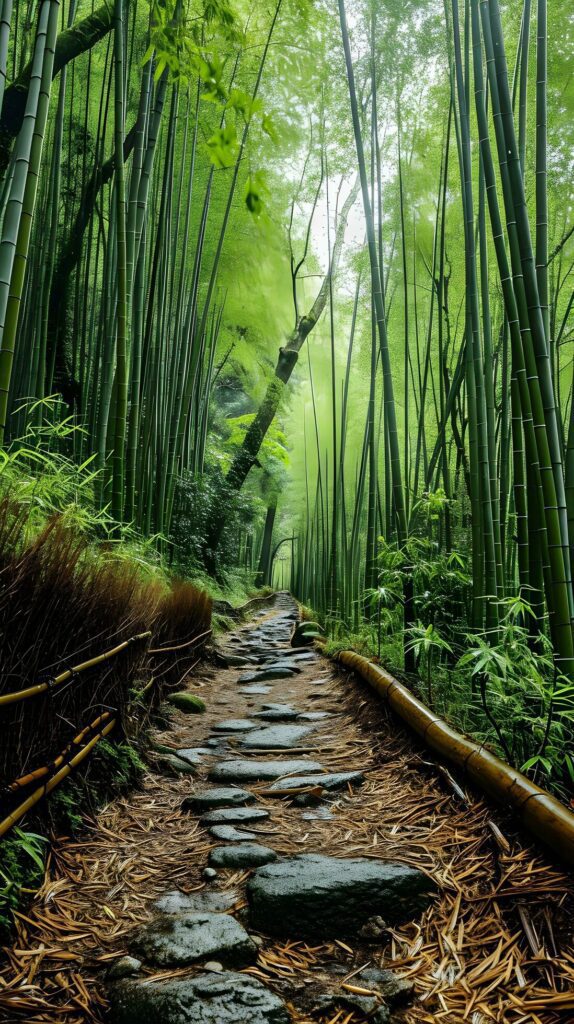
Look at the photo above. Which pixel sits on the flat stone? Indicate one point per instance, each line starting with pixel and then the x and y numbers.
pixel 180 939
pixel 267 674
pixel 395 991
pixel 194 755
pixel 235 725
pixel 224 796
pixel 234 816
pixel 195 902
pixel 175 764
pixel 329 781
pixel 230 834
pixel 312 896
pixel 161 748
pixel 314 716
pixel 232 660
pixel 318 814
pixel 255 689
pixel 226 998
pixel 276 737
pixel 278 714
pixel 242 855
pixel 258 771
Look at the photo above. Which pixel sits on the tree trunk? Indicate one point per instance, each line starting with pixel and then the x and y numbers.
pixel 69 45
pixel 246 456
pixel 263 570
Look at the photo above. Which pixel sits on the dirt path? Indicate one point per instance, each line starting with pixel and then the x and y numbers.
pixel 494 946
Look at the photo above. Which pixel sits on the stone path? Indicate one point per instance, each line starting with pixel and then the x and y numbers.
pixel 333 878
pixel 304 897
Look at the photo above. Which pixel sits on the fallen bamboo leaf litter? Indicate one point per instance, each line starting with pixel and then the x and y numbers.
pixel 470 957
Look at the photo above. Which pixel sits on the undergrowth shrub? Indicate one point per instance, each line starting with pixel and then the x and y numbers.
pixel 73 584
pixel 62 603
pixel 183 619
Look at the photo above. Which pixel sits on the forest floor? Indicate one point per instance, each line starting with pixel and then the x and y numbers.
pixel 495 944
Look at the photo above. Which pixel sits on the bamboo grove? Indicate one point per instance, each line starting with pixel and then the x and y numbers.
pixel 299 277
pixel 484 447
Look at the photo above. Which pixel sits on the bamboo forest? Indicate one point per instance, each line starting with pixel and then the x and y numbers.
pixel 286 511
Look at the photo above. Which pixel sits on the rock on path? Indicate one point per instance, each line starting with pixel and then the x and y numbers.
pixel 181 939
pixel 312 896
pixel 208 999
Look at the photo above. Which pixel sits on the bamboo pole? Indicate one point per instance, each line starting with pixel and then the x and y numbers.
pixel 39 773
pixel 540 812
pixel 34 691
pixel 37 795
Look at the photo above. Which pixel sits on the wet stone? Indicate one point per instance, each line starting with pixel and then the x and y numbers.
pixel 229 834
pixel 233 660
pixel 242 855
pixel 312 896
pixel 235 725
pixel 224 796
pixel 180 939
pixel 266 675
pixel 278 714
pixel 194 755
pixel 329 781
pixel 277 737
pixel 174 764
pixel 234 816
pixel 206 999
pixel 195 903
pixel 259 771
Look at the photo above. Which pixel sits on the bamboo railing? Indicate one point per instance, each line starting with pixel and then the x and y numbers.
pixel 539 811
pixel 11 819
pixel 79 748
pixel 69 673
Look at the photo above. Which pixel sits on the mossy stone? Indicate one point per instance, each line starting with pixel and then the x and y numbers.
pixel 186 702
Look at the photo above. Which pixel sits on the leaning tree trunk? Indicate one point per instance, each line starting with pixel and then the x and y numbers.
pixel 246 456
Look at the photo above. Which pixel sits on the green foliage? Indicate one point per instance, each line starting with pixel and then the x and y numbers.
pixel 273 451
pixel 198 501
pixel 22 856
pixel 111 770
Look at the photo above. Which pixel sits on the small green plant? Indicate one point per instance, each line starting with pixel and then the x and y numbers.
pixel 22 867
pixel 428 644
